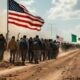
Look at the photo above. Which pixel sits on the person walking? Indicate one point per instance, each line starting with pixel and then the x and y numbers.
pixel 3 46
pixel 23 49
pixel 12 46
pixel 37 49
pixel 30 53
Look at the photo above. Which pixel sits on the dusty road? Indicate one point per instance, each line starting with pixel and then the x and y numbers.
pixel 66 67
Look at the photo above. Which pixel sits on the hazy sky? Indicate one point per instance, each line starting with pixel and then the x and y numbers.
pixel 62 15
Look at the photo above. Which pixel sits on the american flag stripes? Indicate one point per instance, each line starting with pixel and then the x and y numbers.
pixel 20 16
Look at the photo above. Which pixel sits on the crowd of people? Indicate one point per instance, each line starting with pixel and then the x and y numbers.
pixel 33 50
pixel 30 49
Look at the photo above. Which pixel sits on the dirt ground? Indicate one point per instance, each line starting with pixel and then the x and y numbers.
pixel 65 67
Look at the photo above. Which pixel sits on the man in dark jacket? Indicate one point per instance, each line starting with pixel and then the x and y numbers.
pixel 24 48
pixel 2 46
pixel 30 53
pixel 37 49
pixel 55 47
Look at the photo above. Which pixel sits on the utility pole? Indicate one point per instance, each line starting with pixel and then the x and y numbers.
pixel 18 35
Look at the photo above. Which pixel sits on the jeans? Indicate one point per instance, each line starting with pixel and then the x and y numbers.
pixel 23 55
pixel 36 56
pixel 12 56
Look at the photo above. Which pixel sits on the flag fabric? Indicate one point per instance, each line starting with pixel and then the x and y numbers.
pixel 74 38
pixel 20 16
pixel 59 39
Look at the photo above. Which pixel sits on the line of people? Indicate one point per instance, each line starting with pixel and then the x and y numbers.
pixel 33 50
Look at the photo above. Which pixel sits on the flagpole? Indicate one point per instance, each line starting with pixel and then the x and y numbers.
pixel 51 31
pixel 7 23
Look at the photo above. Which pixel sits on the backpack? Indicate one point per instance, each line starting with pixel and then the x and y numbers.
pixel 23 44
pixel 37 44
pixel 54 46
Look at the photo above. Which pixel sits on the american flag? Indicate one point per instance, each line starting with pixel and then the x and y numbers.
pixel 20 16
pixel 59 39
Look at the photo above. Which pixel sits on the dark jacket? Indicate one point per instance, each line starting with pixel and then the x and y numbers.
pixel 2 43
